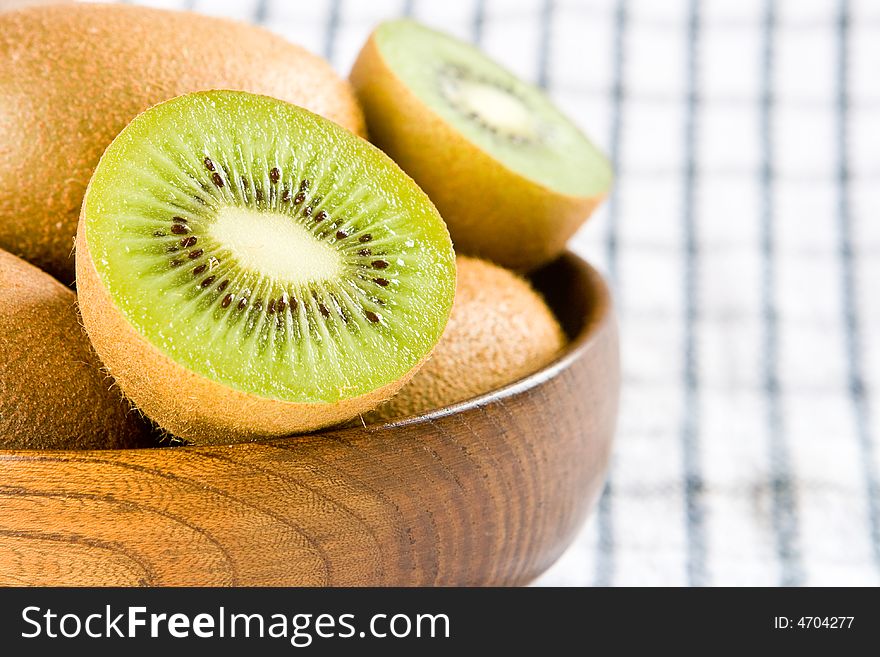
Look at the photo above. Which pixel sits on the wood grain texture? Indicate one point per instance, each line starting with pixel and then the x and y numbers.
pixel 487 492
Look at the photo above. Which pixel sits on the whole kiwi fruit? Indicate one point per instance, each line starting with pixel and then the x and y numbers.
pixel 500 330
pixel 73 75
pixel 53 392
pixel 248 269
pixel 510 174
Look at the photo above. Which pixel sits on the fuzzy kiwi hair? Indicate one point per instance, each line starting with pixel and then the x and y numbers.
pixel 511 175
pixel 247 269
pixel 53 391
pixel 73 75
pixel 500 330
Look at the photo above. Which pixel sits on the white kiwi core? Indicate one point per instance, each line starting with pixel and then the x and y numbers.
pixel 271 244
pixel 494 106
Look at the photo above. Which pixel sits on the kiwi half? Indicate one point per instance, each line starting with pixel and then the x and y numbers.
pixel 511 175
pixel 73 75
pixel 53 392
pixel 500 330
pixel 249 269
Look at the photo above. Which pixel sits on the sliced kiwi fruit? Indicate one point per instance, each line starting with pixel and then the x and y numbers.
pixel 53 392
pixel 73 75
pixel 248 269
pixel 500 330
pixel 511 175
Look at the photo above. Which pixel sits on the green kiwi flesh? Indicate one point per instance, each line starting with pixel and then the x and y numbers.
pixel 267 249
pixel 508 118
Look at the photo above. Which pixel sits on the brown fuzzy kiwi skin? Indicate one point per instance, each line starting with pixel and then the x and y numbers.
pixel 187 404
pixel 73 75
pixel 499 331
pixel 492 212
pixel 53 391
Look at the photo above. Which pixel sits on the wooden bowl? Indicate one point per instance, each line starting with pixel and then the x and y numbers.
pixel 486 492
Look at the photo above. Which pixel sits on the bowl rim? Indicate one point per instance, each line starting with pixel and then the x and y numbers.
pixel 599 315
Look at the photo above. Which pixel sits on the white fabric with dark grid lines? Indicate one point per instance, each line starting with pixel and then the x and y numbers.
pixel 744 247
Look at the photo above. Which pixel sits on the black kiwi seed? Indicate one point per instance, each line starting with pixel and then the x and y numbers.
pixel 217 179
pixel 373 317
pixel 195 255
pixel 244 182
pixel 274 174
pixel 341 234
pixel 223 285
pixel 282 305
pixel 258 305
pixel 179 220
pixel 381 281
pixel 172 249
pixel 226 300
pixel 365 252
pixel 208 164
pixel 176 263
pixel 180 229
pixel 270 308
pixel 208 281
pixel 304 185
pixel 321 216
pixel 285 196
pixel 379 264
pixel 199 270
pixel 241 304
pixel 187 242
pixel 363 239
pixel 159 233
pixel 258 193
pixel 323 310
pixel 299 198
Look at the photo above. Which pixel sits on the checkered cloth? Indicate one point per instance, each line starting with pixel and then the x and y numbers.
pixel 741 246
